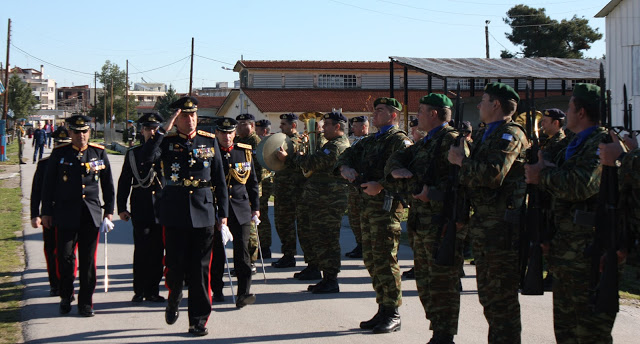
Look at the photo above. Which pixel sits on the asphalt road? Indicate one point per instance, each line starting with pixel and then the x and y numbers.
pixel 284 311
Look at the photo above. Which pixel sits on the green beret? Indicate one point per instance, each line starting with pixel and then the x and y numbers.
pixel 501 90
pixel 589 93
pixel 388 101
pixel 436 99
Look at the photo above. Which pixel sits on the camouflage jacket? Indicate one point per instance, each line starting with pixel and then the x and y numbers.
pixel 554 145
pixel 291 173
pixel 370 155
pixel 574 184
pixel 323 160
pixel 428 162
pixel 494 173
pixel 629 181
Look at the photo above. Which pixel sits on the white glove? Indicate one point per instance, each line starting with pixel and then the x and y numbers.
pixel 255 219
pixel 226 234
pixel 106 226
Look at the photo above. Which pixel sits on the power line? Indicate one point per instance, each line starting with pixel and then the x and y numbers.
pixel 208 58
pixel 167 65
pixel 49 63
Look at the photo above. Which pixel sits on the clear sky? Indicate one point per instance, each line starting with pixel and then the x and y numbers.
pixel 73 39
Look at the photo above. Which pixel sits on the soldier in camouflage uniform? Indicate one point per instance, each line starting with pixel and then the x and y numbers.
pixel 574 184
pixel 287 197
pixel 360 127
pixel 263 129
pixel 246 134
pixel 423 170
pixel 552 123
pixel 493 177
pixel 328 194
pixel 381 213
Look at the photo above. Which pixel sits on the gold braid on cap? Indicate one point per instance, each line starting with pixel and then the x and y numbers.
pixel 243 176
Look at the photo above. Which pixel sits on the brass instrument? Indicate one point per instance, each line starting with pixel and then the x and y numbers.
pixel 311 136
pixel 522 120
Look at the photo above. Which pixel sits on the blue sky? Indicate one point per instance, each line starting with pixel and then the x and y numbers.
pixel 75 38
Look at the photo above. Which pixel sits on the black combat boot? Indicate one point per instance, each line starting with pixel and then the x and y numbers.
pixel 371 323
pixel 310 274
pixel 441 338
pixel 285 262
pixel 328 285
pixel 301 272
pixel 389 322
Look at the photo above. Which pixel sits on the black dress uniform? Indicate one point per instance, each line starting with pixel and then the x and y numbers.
pixel 71 196
pixel 192 171
pixel 142 180
pixel 244 198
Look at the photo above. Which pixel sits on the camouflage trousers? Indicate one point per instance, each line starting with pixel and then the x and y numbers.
pixel 437 284
pixel 287 200
pixel 573 319
pixel 321 237
pixel 497 273
pixel 380 239
pixel 354 206
pixel 264 228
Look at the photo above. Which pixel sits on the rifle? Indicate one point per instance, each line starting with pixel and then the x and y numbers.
pixel 531 280
pixel 604 286
pixel 445 253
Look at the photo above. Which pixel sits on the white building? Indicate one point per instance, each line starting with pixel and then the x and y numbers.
pixel 622 63
pixel 43 89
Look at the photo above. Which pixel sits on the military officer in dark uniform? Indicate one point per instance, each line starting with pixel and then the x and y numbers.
pixel 192 170
pixel 48 233
pixel 244 206
pixel 71 203
pixel 141 180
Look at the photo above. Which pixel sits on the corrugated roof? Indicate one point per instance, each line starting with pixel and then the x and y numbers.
pixel 345 65
pixel 607 9
pixel 520 68
pixel 322 100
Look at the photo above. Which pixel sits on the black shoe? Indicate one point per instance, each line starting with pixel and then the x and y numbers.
pixel 232 272
pixel 155 298
pixel 389 322
pixel 285 262
pixel 198 330
pixel 246 299
pixel 303 271
pixel 172 312
pixel 54 292
pixel 313 286
pixel 86 310
pixel 327 286
pixel 218 297
pixel 266 253
pixel 356 252
pixel 409 274
pixel 371 323
pixel 254 270
pixel 65 306
pixel 137 298
pixel 310 274
pixel 441 338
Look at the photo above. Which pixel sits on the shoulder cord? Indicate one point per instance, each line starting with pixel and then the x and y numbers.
pixel 148 180
pixel 243 176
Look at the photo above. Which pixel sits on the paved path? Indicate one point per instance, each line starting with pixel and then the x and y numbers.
pixel 283 313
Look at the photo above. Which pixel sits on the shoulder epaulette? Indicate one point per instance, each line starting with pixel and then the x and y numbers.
pixel 244 145
pixel 95 145
pixel 206 134
pixel 62 145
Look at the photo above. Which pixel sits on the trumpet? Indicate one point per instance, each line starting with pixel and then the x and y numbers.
pixel 311 135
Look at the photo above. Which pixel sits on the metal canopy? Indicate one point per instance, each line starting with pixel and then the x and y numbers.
pixel 510 68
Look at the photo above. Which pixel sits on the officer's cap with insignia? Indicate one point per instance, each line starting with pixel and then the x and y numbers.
pixel 388 101
pixel 263 123
pixel 61 135
pixel 246 117
pixel 78 122
pixel 150 120
pixel 437 100
pixel 226 124
pixel 186 104
pixel 501 90
pixel 129 121
pixel 588 93
pixel 290 116
pixel 554 113
pixel 358 119
pixel 413 123
pixel 336 116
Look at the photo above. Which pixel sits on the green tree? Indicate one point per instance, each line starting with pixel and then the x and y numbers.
pixel 21 98
pixel 111 72
pixel 541 36
pixel 162 104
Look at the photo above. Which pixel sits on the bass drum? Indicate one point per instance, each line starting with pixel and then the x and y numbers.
pixel 267 148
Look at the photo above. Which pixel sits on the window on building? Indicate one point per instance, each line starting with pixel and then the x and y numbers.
pixel 336 81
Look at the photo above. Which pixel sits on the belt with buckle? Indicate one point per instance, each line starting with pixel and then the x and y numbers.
pixel 196 183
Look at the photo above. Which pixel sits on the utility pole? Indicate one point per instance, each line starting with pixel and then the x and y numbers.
pixel 126 94
pixel 191 72
pixel 5 103
pixel 95 101
pixel 486 35
pixel 104 125
pixel 111 96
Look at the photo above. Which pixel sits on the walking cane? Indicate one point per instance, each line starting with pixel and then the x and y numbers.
pixel 225 231
pixel 106 263
pixel 255 226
